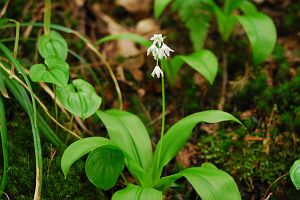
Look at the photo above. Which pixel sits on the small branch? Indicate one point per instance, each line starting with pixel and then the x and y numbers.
pixel 224 81
pixel 267 139
pixel 278 179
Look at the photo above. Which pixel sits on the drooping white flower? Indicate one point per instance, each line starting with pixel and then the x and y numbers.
pixel 157 71
pixel 154 50
pixel 165 51
pixel 157 39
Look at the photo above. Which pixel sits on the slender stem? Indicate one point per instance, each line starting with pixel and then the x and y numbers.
pixel 47 16
pixel 16 45
pixel 55 106
pixel 163 103
pixel 124 179
pixel 224 81
pixel 108 67
pixel 71 122
pixel 70 128
pixel 4 146
pixel 278 179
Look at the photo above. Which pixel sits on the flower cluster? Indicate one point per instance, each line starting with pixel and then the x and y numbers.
pixel 159 50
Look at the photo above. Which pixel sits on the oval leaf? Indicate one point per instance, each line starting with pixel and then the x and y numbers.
pixel 103 167
pixel 134 192
pixel 159 6
pixel 261 32
pixel 53 44
pixel 203 61
pixel 78 149
pixel 79 98
pixel 55 71
pixel 129 133
pixel 209 182
pixel 295 174
pixel 179 133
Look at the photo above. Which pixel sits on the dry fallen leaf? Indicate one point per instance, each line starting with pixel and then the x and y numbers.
pixel 147 27
pixel 133 57
pixel 185 155
pixel 136 6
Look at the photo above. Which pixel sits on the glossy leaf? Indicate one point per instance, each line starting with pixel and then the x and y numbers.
pixel 295 174
pixel 179 133
pixel 203 61
pixel 103 167
pixel 54 71
pixel 53 44
pixel 261 32
pixel 159 6
pixel 126 36
pixel 209 182
pixel 134 192
pixel 78 149
pixel 79 98
pixel 129 133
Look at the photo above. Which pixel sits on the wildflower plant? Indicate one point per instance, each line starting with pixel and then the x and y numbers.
pixel 129 146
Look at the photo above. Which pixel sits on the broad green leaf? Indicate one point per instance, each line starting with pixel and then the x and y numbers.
pixel 261 32
pixel 179 133
pixel 79 98
pixel 55 70
pixel 103 166
pixel 248 7
pixel 126 36
pixel 203 61
pixel 129 133
pixel 209 182
pixel 78 149
pixel 295 174
pixel 53 44
pixel 134 192
pixel 159 6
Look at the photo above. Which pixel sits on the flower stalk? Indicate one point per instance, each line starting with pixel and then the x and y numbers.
pixel 159 51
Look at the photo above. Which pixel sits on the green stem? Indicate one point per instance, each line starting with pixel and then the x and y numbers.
pixel 16 45
pixel 71 122
pixel 47 16
pixel 4 146
pixel 124 179
pixel 55 106
pixel 163 103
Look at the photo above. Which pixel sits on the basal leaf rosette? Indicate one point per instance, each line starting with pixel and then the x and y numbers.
pixel 79 98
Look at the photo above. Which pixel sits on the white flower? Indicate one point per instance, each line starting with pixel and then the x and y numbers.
pixel 157 71
pixel 165 51
pixel 157 39
pixel 154 50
